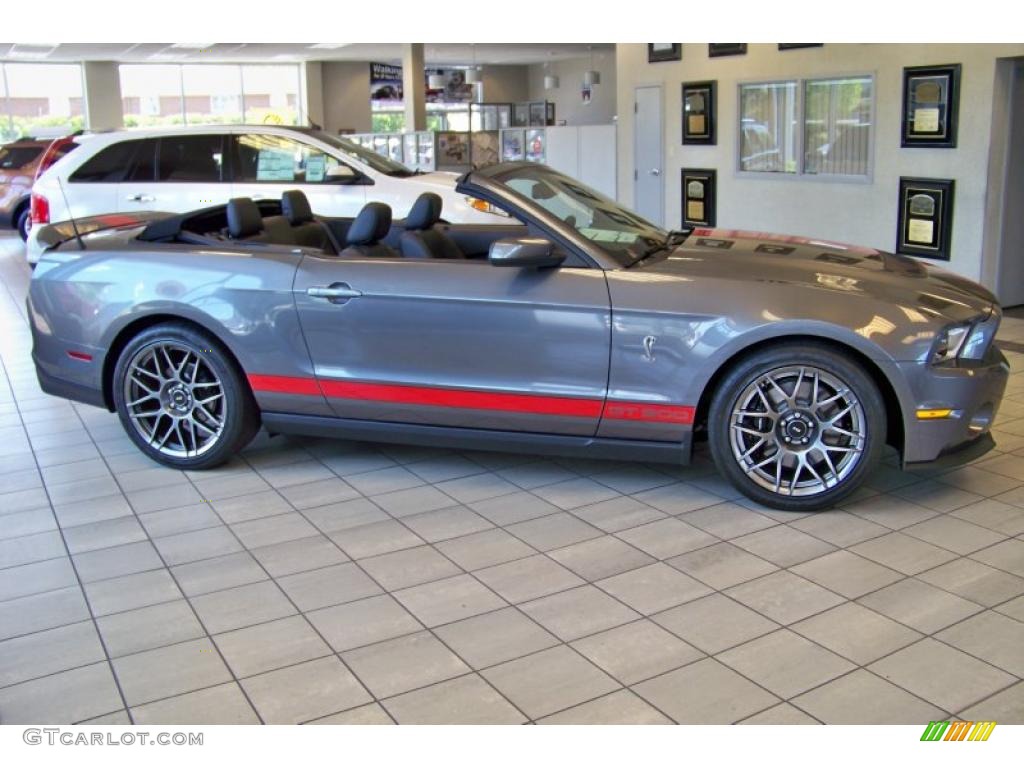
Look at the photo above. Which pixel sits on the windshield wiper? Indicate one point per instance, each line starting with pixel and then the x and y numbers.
pixel 672 239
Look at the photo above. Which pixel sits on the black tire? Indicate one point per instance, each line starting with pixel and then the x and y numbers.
pixel 780 360
pixel 240 419
pixel 22 221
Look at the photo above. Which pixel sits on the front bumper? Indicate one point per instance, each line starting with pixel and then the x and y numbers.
pixel 972 392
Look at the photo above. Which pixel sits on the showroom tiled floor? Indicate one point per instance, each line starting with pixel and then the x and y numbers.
pixel 320 581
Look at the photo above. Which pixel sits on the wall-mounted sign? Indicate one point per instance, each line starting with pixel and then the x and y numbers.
pixel 455 90
pixel 726 49
pixel 931 97
pixel 699 112
pixel 664 52
pixel 925 217
pixel 698 197
pixel 385 84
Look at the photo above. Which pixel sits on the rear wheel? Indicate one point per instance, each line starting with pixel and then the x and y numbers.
pixel 23 221
pixel 182 399
pixel 797 427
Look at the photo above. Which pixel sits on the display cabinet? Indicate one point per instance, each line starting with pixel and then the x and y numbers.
pixel 533 113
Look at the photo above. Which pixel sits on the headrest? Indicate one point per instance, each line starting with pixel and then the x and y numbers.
pixel 295 207
pixel 425 212
pixel 244 218
pixel 371 225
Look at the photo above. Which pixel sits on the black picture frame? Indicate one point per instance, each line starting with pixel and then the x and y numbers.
pixel 931 106
pixel 795 46
pixel 699 112
pixel 698 193
pixel 726 49
pixel 925 226
pixel 673 53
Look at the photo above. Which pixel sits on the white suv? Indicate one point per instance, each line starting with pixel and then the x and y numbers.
pixel 181 169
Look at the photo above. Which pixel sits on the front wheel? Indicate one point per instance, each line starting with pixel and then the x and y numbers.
pixel 797 427
pixel 182 399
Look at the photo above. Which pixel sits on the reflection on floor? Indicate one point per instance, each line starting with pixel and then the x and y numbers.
pixel 320 581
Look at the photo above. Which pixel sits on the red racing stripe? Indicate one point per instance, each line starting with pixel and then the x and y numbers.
pixel 288 385
pixel 462 398
pixel 616 410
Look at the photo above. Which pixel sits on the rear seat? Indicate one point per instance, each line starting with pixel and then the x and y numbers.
pixel 296 227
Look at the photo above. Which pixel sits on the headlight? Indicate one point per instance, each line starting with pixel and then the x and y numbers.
pixel 483 205
pixel 949 343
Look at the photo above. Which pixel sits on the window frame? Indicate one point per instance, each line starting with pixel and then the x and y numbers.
pixel 801 93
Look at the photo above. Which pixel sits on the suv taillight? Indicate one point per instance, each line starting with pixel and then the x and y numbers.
pixel 57 149
pixel 40 210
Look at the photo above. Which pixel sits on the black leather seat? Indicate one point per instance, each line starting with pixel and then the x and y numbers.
pixel 422 239
pixel 306 230
pixel 370 227
pixel 245 221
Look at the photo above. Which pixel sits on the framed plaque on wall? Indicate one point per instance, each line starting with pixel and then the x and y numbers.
pixel 931 97
pixel 664 52
pixel 698 197
pixel 925 217
pixel 699 112
pixel 726 49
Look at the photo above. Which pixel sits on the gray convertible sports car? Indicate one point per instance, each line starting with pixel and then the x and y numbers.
pixel 578 328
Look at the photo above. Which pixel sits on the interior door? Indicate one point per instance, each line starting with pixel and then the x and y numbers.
pixel 264 165
pixel 648 148
pixel 458 343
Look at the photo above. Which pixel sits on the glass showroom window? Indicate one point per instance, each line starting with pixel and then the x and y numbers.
pixel 837 126
pixel 768 127
pixel 807 128
pixel 196 94
pixel 42 100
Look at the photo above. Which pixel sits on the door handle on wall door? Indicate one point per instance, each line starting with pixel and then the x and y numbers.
pixel 655 172
pixel 336 293
pixel 140 198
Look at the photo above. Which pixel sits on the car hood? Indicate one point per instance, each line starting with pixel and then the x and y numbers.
pixel 828 267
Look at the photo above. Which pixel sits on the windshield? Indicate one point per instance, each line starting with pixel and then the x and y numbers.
pixel 379 163
pixel 625 236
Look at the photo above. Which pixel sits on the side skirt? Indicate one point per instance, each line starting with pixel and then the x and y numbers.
pixel 479 439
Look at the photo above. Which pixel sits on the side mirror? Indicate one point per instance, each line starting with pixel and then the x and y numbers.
pixel 523 252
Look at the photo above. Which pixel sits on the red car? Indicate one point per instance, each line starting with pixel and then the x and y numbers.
pixel 21 162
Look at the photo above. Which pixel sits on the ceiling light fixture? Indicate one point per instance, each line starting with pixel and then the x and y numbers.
pixel 473 73
pixel 193 46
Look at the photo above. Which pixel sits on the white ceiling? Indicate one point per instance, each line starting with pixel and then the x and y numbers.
pixel 435 53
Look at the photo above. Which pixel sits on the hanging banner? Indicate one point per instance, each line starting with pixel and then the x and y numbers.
pixel 385 85
pixel 456 89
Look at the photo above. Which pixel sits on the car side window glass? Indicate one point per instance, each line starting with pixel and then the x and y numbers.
pixel 196 158
pixel 144 165
pixel 279 159
pixel 106 166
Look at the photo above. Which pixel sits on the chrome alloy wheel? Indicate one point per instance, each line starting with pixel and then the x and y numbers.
pixel 797 431
pixel 175 400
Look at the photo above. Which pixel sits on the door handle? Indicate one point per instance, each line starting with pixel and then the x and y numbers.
pixel 140 198
pixel 336 293
pixel 655 172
